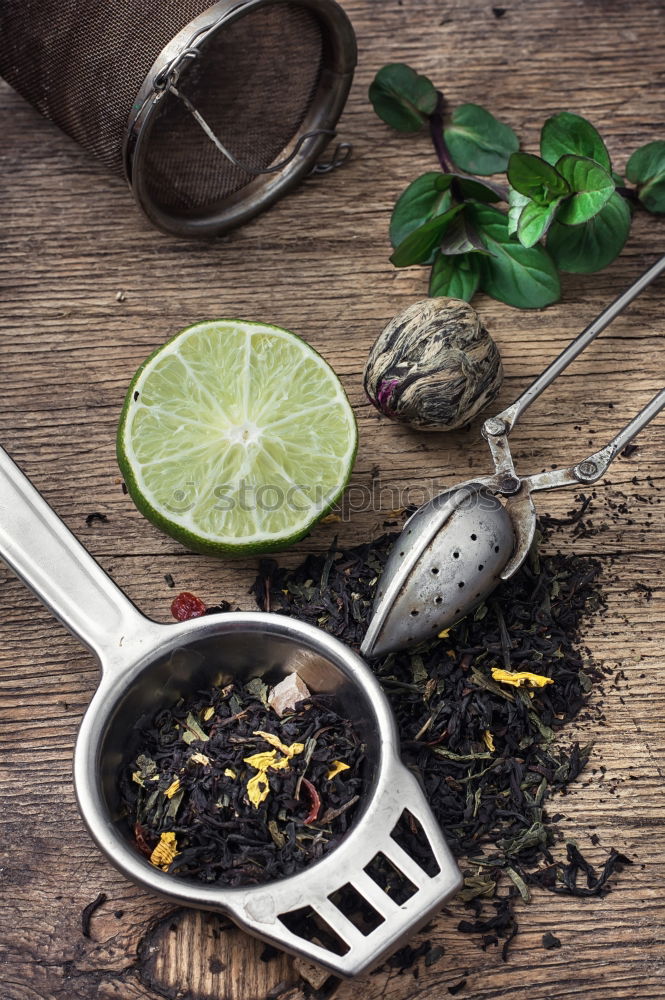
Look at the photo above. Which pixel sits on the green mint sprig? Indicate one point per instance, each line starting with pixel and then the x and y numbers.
pixel 567 209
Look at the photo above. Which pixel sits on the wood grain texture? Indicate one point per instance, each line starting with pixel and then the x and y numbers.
pixel 317 264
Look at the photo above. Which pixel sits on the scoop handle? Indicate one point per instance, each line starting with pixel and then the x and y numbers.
pixel 53 564
pixel 511 415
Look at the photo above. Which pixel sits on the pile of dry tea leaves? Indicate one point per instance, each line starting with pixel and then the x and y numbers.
pixel 224 789
pixel 478 711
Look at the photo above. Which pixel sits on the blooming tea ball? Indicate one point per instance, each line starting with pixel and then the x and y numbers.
pixel 434 367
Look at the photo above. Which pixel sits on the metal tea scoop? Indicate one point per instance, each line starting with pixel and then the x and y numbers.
pixel 146 665
pixel 454 550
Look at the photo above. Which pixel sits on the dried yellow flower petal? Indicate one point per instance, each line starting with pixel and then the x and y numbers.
pixel 136 776
pixel 258 788
pixel 444 634
pixel 262 761
pixel 208 714
pixel 488 740
pixel 165 851
pixel 520 678
pixel 172 789
pixel 337 766
pixel 230 773
pixel 200 758
pixel 275 741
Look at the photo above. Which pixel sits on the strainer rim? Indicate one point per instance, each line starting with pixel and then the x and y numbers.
pixel 337 66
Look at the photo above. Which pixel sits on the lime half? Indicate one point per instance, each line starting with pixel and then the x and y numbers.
pixel 236 437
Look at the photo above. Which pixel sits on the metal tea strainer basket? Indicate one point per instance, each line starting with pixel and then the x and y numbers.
pixel 348 909
pixel 212 112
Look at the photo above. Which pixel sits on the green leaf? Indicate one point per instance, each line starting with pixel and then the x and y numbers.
pixel 457 277
pixel 568 133
pixel 402 98
pixel 534 222
pixel 592 246
pixel 477 142
pixel 461 237
pixel 591 185
pixel 431 195
pixel 418 246
pixel 427 197
pixel 478 190
pixel 516 202
pixel 520 276
pixel 536 179
pixel 646 168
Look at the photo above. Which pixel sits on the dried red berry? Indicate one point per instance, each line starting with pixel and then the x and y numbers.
pixel 186 606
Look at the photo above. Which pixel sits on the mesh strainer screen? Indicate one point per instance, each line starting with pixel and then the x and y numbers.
pixel 157 89
pixel 82 62
pixel 253 84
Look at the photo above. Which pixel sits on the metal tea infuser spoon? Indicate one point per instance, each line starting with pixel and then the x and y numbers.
pixel 454 550
pixel 146 665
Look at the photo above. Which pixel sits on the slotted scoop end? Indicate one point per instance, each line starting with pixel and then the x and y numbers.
pixel 447 560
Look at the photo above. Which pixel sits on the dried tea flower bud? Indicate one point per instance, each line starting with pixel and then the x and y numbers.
pixel 434 367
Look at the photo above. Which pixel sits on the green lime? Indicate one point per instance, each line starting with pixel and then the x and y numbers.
pixel 236 437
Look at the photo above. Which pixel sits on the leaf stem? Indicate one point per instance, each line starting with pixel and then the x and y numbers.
pixel 630 194
pixel 443 154
pixel 436 132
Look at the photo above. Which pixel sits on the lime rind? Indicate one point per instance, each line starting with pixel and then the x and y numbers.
pixel 236 437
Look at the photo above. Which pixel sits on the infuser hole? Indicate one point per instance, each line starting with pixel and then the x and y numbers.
pixel 414 613
pixel 411 837
pixel 389 878
pixel 496 548
pixel 356 908
pixel 460 584
pixel 438 600
pixel 307 924
pixel 455 555
pixel 474 538
pixel 481 568
pixel 401 554
pixel 435 570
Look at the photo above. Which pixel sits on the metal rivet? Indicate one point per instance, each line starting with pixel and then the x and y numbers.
pixel 586 470
pixel 495 426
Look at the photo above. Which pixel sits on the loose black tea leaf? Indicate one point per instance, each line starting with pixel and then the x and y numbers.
pixel 224 789
pixel 95 516
pixel 487 751
pixel 87 912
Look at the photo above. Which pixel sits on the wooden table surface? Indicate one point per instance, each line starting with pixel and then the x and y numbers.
pixel 317 264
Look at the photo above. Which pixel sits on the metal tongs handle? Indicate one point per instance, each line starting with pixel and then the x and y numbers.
pixel 496 429
pixel 595 466
pixel 512 414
